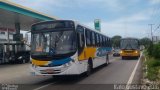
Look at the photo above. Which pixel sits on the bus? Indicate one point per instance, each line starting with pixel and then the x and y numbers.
pixel 129 48
pixel 65 47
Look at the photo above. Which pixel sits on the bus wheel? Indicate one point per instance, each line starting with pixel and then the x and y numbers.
pixel 123 57
pixel 137 57
pixel 107 60
pixel 89 67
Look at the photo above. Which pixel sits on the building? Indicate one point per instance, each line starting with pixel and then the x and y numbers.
pixel 14 17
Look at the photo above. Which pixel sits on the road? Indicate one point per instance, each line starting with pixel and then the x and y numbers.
pixel 117 72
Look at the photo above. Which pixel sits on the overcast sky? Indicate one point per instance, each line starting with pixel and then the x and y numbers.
pixel 128 18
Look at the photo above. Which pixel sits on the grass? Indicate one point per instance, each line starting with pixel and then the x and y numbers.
pixel 153 68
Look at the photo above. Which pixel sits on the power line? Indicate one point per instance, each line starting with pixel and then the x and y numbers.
pixel 157 28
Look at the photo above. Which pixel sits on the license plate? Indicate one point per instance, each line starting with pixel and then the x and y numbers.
pixel 49 70
pixel 129 54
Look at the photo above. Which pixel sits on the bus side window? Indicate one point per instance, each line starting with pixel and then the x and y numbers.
pixel 99 43
pixel 97 39
pixel 88 37
pixel 93 39
pixel 110 44
pixel 80 39
pixel 103 41
pixel 107 43
pixel 95 36
pixel 100 40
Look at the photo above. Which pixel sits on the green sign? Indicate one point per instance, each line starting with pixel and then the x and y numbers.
pixel 97 24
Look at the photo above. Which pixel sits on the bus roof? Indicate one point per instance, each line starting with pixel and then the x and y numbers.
pixel 76 23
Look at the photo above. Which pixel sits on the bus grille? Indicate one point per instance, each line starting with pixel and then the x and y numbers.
pixel 128 51
pixel 53 72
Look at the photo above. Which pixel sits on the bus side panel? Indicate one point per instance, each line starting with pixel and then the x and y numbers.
pixel 98 56
pixel 88 52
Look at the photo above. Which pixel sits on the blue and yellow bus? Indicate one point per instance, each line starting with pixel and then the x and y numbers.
pixel 65 47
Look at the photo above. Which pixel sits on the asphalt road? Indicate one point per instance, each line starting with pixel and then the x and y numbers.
pixel 103 78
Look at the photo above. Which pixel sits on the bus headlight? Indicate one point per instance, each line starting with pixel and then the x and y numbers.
pixel 136 51
pixel 121 51
pixel 67 64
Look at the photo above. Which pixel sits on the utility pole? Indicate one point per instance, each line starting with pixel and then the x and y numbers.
pixel 151 31
pixel 151 44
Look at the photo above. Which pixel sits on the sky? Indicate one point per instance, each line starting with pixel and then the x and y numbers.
pixel 127 18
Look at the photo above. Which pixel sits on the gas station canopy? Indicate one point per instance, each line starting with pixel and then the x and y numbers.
pixel 18 17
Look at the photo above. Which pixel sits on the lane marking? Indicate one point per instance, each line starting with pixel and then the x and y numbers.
pixel 146 66
pixel 133 74
pixel 44 86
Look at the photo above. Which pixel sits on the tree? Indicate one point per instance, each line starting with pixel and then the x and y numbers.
pixel 148 45
pixel 145 41
pixel 116 41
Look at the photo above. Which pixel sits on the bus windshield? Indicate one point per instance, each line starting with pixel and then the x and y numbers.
pixel 53 43
pixel 129 44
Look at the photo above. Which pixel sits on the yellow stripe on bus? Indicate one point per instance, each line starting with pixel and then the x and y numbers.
pixel 87 52
pixel 38 62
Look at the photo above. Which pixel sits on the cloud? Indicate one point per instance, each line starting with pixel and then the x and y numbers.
pixel 130 26
pixel 154 1
pixel 125 30
pixel 121 20
pixel 110 4
pixel 114 5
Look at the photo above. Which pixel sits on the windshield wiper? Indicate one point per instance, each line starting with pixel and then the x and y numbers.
pixel 128 45
pixel 52 50
pixel 58 38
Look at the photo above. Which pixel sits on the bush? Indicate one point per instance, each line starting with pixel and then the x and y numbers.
pixel 150 49
pixel 153 74
pixel 153 63
pixel 154 50
pixel 153 69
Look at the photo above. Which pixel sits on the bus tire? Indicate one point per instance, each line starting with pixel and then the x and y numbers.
pixel 137 57
pixel 107 60
pixel 89 67
pixel 123 57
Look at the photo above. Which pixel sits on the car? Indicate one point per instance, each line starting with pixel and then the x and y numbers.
pixel 116 52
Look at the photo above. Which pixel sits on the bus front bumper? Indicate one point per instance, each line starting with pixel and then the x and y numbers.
pixel 130 54
pixel 57 70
